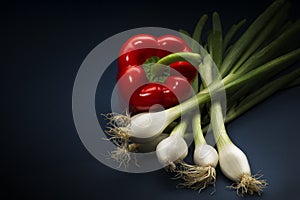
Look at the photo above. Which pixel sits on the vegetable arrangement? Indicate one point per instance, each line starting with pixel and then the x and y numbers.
pixel 251 68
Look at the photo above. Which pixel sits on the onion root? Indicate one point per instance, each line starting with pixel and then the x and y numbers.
pixel 249 185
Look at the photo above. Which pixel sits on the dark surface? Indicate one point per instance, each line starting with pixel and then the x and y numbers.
pixel 43 155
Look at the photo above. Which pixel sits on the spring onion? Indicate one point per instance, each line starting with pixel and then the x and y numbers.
pixel 233 161
pixel 203 173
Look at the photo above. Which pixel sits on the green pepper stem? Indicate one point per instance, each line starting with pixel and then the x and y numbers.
pixel 159 70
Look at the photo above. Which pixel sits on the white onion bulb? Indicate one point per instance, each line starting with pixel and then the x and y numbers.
pixel 205 155
pixel 171 149
pixel 233 162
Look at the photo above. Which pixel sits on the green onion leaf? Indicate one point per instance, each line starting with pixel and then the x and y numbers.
pixel 231 33
pixel 197 32
pixel 217 40
pixel 186 37
pixel 286 42
pixel 272 27
pixel 242 44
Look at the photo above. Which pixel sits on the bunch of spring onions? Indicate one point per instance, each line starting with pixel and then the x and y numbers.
pixel 252 68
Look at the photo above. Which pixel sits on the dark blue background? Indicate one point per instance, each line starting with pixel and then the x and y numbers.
pixel 44 45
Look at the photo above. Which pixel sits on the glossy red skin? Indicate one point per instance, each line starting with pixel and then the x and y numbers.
pixel 133 84
pixel 176 89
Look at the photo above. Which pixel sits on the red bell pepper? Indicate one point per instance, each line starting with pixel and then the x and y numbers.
pixel 133 83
